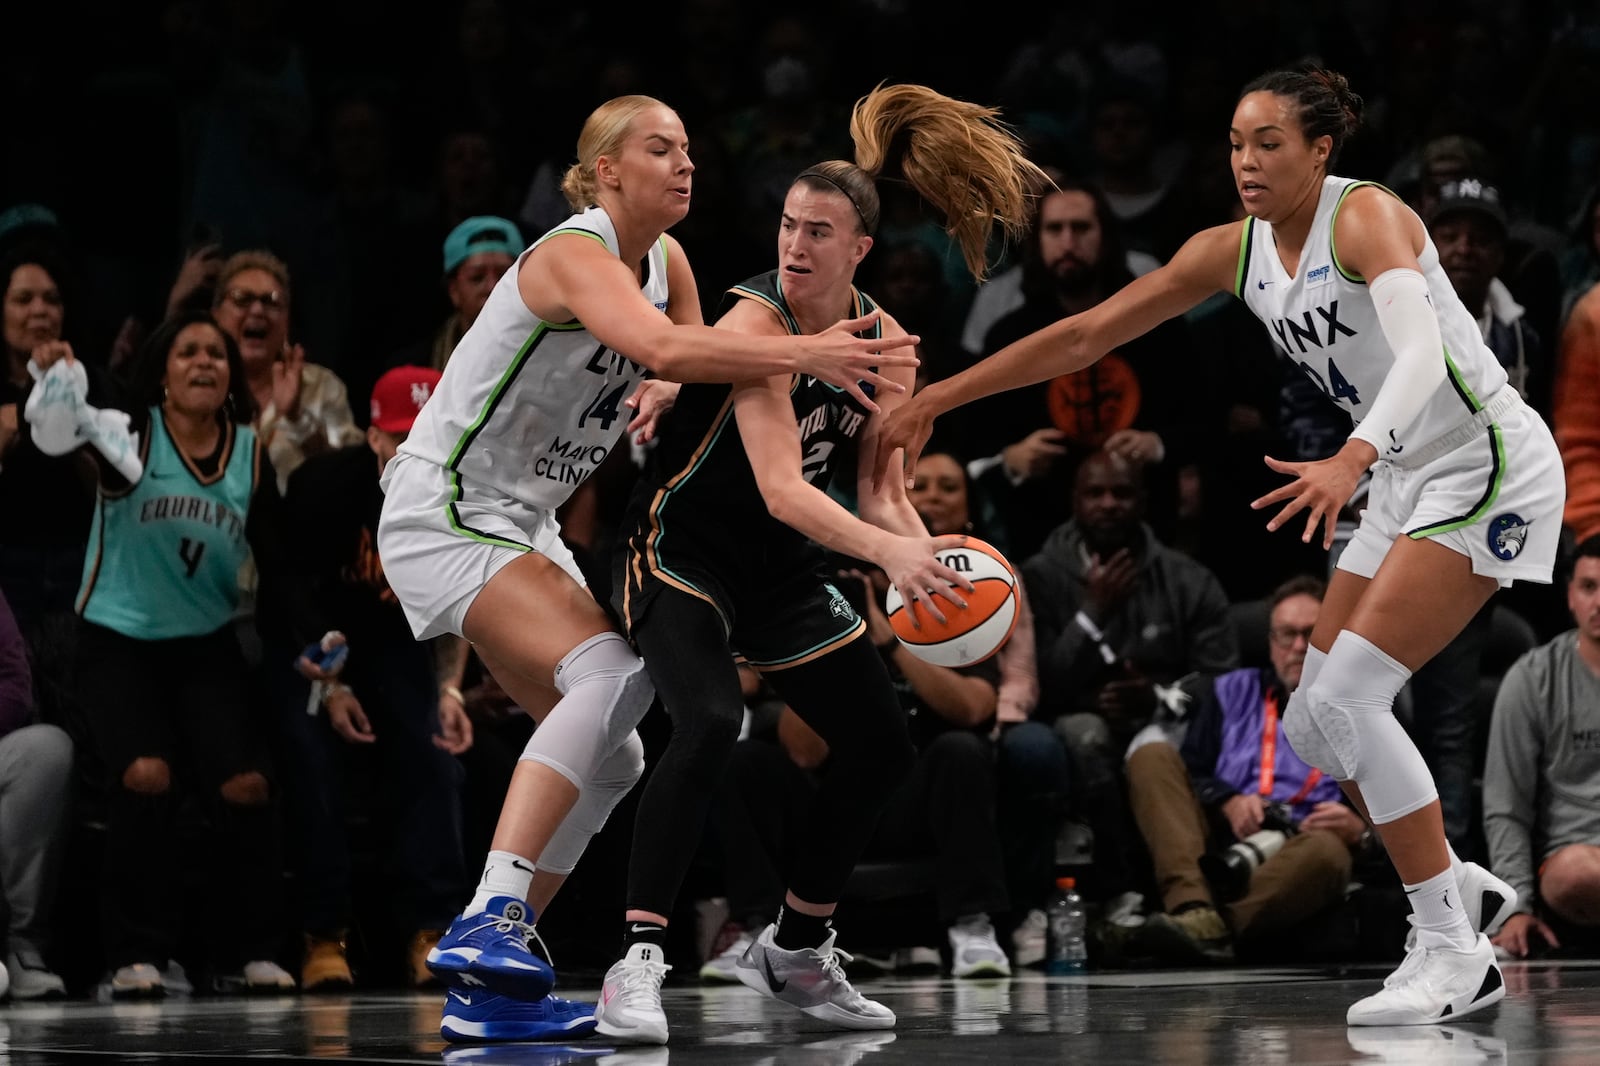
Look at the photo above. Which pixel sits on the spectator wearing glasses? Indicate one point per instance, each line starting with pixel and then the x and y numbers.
pixel 305 407
pixel 1234 775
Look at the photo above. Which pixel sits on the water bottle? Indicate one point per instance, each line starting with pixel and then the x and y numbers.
pixel 1068 948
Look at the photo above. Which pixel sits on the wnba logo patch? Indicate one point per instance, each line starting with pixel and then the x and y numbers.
pixel 1507 534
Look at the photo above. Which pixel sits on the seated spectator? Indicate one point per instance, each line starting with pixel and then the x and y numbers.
pixel 944 810
pixel 1541 779
pixel 162 677
pixel 35 786
pixel 1236 774
pixel 1032 762
pixel 1126 629
pixel 390 695
pixel 1136 401
pixel 304 407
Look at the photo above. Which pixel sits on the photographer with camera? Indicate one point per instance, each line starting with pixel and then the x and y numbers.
pixel 1281 837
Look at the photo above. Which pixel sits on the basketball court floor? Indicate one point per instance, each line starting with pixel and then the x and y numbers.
pixel 1253 1017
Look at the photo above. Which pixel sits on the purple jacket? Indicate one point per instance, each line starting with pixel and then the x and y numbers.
pixel 1222 746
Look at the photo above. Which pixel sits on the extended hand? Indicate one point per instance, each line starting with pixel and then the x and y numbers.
pixel 914 567
pixel 846 361
pixel 907 426
pixel 1321 487
pixel 652 399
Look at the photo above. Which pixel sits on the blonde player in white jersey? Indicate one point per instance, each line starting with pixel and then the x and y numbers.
pixel 1466 495
pixel 535 395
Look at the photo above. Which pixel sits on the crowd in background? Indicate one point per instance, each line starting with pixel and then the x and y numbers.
pixel 331 191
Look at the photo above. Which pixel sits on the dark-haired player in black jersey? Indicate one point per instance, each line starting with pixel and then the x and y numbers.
pixel 724 558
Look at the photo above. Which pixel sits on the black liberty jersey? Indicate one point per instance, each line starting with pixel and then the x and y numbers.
pixel 697 502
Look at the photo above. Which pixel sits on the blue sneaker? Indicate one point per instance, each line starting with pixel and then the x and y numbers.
pixel 476 1014
pixel 490 950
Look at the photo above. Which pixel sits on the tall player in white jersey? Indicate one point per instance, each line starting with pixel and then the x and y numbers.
pixel 1466 495
pixel 534 397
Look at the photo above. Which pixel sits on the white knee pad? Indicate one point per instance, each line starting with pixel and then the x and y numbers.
pixel 1312 667
pixel 605 693
pixel 1352 705
pixel 1305 737
pixel 1299 729
pixel 616 775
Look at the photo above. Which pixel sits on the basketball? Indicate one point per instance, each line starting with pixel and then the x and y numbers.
pixel 971 635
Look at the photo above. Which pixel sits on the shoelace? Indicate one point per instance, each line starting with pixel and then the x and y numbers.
pixel 508 925
pixel 544 952
pixel 1413 959
pixel 646 978
pixel 833 966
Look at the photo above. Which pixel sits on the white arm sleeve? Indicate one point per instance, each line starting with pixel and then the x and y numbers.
pixel 1411 327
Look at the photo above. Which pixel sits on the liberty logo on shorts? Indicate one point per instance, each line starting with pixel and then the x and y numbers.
pixel 838 604
pixel 1507 534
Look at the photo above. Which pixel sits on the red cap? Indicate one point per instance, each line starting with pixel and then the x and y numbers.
pixel 398 397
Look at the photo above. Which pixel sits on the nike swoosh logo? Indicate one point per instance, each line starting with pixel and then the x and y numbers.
pixel 466 1000
pixel 518 864
pixel 772 979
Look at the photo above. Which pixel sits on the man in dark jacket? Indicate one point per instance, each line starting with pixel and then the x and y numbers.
pixel 1125 627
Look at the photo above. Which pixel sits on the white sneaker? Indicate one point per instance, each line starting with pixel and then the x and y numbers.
pixel 918 958
pixel 1030 939
pixel 630 998
pixel 1487 901
pixel 1435 982
pixel 974 951
pixel 31 978
pixel 813 981
pixel 264 975
pixel 722 967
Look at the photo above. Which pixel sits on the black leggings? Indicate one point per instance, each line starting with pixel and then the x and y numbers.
pixel 845 695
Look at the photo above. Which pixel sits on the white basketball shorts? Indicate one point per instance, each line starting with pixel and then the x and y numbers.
pixel 1496 499
pixel 441 544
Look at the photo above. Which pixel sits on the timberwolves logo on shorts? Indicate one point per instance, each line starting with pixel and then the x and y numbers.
pixel 1506 536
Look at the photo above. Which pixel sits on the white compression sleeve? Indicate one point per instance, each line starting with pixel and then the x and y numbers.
pixel 1411 327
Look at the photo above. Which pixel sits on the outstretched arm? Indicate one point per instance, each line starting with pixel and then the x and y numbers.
pixel 575 277
pixel 1203 266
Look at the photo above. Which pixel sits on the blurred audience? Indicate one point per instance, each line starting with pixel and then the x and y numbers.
pixel 35 798
pixel 1128 630
pixel 390 696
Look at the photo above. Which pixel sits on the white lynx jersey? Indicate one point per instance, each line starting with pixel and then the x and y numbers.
pixel 530 407
pixel 1323 320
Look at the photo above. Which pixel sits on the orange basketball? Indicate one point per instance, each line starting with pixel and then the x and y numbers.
pixel 971 635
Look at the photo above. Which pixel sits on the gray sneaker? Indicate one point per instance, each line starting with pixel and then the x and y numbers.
pixel 31 978
pixel 812 980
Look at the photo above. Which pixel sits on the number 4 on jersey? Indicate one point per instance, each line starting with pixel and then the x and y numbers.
pixel 1336 385
pixel 606 407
